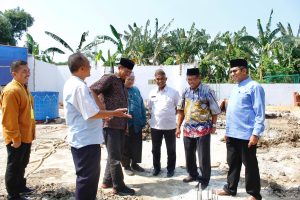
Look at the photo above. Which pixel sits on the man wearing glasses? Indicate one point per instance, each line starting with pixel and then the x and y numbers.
pixel 199 109
pixel 245 117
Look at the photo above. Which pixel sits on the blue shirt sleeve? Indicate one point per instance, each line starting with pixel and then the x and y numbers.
pixel 258 102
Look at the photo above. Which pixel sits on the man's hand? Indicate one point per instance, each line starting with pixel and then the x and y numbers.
pixel 253 140
pixel 16 144
pixel 121 112
pixel 225 138
pixel 177 132
pixel 223 104
pixel 107 119
pixel 213 130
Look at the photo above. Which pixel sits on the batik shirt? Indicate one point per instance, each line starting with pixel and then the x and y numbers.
pixel 198 105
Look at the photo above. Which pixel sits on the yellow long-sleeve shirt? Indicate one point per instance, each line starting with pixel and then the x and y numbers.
pixel 17 119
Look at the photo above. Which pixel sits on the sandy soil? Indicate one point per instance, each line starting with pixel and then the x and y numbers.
pixel 52 173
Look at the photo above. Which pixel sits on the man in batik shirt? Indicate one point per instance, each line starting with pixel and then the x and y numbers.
pixel 199 108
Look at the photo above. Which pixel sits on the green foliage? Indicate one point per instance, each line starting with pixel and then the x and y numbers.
pixel 13 23
pixel 271 52
pixel 185 45
pixel 61 41
pixel 6 36
pixel 170 61
pixel 87 49
pixel 262 44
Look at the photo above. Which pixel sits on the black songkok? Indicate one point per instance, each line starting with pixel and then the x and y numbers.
pixel 238 63
pixel 192 72
pixel 125 62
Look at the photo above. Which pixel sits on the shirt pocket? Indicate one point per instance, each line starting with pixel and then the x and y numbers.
pixel 153 98
pixel 168 101
pixel 244 96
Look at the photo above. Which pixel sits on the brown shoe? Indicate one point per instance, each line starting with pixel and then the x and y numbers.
pixel 222 192
pixel 105 185
pixel 251 198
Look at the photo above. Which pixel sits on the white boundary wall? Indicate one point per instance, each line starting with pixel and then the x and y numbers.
pixel 49 77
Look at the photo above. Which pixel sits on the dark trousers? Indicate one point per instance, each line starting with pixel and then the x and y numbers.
pixel 202 146
pixel 170 139
pixel 133 148
pixel 238 153
pixel 87 166
pixel 17 161
pixel 114 140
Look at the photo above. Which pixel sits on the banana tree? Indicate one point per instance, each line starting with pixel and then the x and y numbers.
pixel 263 44
pixel 32 46
pixel 143 46
pixel 83 49
pixel 287 50
pixel 185 45
pixel 34 50
pixel 116 40
pixel 215 55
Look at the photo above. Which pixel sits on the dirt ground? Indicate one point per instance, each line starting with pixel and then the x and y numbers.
pixel 51 170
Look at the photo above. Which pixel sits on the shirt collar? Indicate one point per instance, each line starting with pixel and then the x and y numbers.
pixel 18 83
pixel 198 88
pixel 76 77
pixel 244 82
pixel 165 89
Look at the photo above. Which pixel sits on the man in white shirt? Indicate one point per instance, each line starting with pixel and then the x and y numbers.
pixel 83 118
pixel 163 101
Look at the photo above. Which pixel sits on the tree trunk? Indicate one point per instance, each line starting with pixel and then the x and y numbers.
pixel 112 71
pixel 260 73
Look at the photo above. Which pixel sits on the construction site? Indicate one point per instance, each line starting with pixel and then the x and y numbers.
pixel 51 170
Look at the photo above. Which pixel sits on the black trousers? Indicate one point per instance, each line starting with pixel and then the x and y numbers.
pixel 17 161
pixel 87 166
pixel 238 153
pixel 114 140
pixel 202 146
pixel 170 139
pixel 133 148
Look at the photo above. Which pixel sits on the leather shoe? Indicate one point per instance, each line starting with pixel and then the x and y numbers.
pixel 27 190
pixel 189 179
pixel 124 191
pixel 155 172
pixel 170 173
pixel 203 186
pixel 128 171
pixel 137 168
pixel 15 197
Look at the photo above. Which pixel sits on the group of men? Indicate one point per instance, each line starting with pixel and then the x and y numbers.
pixel 197 107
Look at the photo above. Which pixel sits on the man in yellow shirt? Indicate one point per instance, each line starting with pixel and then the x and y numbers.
pixel 18 127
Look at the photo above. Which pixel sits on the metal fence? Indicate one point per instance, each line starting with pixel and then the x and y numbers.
pixel 283 78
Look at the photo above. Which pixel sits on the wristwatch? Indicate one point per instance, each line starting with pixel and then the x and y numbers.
pixel 214 125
